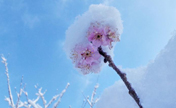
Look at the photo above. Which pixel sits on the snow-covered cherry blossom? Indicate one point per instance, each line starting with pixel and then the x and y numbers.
pixel 101 26
pixel 102 35
pixel 86 58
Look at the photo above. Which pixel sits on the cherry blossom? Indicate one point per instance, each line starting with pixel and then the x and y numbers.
pixel 101 26
pixel 86 58
pixel 102 35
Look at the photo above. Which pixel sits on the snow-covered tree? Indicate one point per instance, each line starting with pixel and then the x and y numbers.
pixel 30 103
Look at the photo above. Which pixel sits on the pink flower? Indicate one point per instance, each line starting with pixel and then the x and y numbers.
pixel 86 58
pixel 99 34
pixel 113 34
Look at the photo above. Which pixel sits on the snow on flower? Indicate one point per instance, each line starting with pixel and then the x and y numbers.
pixel 100 26
pixel 99 34
pixel 86 58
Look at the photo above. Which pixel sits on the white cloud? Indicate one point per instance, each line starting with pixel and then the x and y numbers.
pixel 30 20
pixel 155 84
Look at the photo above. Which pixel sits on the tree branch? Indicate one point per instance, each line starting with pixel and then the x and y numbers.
pixel 107 58
pixel 20 92
pixel 4 61
pixel 60 96
pixel 92 101
pixel 41 95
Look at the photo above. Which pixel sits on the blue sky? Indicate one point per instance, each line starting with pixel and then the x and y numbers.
pixel 32 35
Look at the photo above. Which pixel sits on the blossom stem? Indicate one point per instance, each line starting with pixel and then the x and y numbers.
pixel 107 58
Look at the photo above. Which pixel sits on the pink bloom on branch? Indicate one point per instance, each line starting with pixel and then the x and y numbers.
pixel 113 34
pixel 100 26
pixel 86 58
pixel 99 34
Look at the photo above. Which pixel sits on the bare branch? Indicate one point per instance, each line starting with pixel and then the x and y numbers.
pixel 26 94
pixel 107 58
pixel 93 101
pixel 20 92
pixel 8 100
pixel 32 102
pixel 87 99
pixel 22 104
pixel 52 100
pixel 40 94
pixel 62 93
pixel 29 103
pixel 93 93
pixel 84 103
pixel 4 61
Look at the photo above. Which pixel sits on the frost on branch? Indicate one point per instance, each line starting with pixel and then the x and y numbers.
pixel 60 96
pixel 30 103
pixel 10 98
pixel 99 26
pixel 92 101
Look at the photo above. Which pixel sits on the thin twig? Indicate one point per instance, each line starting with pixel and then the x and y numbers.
pixel 84 103
pixel 107 58
pixel 32 102
pixel 41 95
pixel 20 92
pixel 4 61
pixel 87 99
pixel 62 93
pixel 52 100
pixel 92 101
pixel 93 94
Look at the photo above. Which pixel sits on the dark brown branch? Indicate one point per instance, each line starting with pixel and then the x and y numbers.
pixel 107 58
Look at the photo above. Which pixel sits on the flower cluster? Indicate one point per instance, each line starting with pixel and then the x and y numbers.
pixel 99 26
pixel 85 56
